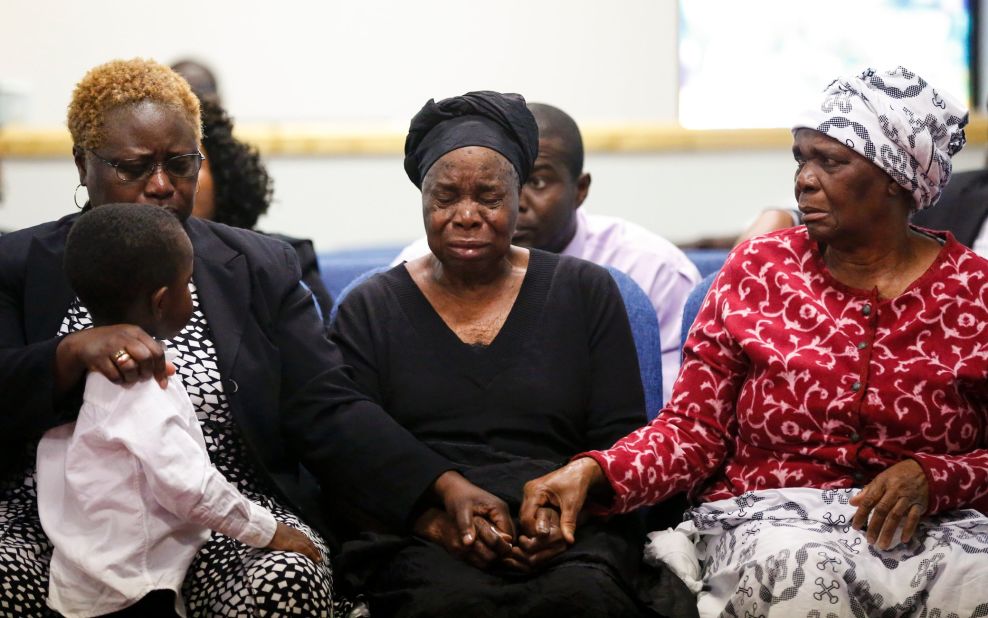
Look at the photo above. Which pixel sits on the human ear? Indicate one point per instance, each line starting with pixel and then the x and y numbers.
pixel 582 188
pixel 901 196
pixel 159 303
pixel 79 156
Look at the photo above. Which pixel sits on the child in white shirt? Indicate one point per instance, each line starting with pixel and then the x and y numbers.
pixel 127 493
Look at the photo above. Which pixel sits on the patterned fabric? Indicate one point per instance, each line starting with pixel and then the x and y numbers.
pixel 226 578
pixel 791 379
pixel 898 122
pixel 794 553
pixel 24 549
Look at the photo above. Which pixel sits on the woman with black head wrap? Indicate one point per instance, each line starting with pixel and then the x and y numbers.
pixel 506 361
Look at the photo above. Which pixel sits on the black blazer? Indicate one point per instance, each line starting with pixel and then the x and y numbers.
pixel 309 263
pixel 290 394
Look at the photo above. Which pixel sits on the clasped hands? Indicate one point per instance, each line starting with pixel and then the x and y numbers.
pixel 483 534
pixel 476 527
pixel 895 499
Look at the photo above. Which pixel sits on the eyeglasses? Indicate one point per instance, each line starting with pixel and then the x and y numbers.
pixel 132 170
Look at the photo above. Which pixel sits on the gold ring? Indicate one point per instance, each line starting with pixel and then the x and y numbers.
pixel 120 356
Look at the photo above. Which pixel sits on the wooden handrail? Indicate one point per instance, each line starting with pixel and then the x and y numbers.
pixel 324 140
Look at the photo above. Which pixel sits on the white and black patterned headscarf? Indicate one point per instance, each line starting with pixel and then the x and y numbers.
pixel 897 121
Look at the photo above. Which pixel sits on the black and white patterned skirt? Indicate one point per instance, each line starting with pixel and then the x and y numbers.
pixel 226 578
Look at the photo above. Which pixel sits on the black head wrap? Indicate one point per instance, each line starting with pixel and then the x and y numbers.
pixel 501 122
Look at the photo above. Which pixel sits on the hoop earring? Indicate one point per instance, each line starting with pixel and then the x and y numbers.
pixel 75 196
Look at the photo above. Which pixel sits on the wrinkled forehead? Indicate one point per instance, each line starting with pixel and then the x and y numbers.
pixel 471 164
pixel 806 139
pixel 809 143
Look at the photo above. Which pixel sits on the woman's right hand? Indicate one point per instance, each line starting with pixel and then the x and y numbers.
pixel 287 538
pixel 466 503
pixel 122 353
pixel 565 490
pixel 437 526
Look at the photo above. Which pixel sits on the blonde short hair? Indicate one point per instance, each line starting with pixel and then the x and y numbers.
pixel 126 82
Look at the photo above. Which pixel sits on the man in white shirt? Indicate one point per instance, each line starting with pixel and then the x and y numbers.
pixel 549 218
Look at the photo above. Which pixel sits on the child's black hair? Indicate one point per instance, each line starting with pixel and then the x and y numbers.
pixel 117 253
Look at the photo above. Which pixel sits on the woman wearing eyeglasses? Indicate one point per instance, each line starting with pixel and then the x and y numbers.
pixel 269 388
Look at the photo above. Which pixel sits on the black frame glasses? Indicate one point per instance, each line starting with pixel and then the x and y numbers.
pixel 132 170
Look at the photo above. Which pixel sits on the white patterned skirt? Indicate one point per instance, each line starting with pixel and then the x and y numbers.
pixel 793 553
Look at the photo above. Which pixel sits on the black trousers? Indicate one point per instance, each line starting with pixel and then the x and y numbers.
pixel 155 604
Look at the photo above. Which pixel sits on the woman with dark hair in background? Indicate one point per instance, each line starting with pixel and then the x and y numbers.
pixel 235 189
pixel 234 186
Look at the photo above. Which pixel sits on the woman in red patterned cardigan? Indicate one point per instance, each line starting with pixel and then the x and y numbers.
pixel 829 419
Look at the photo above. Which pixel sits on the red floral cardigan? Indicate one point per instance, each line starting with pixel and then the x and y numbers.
pixel 791 379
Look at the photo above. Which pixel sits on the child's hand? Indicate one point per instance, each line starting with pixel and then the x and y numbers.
pixel 287 538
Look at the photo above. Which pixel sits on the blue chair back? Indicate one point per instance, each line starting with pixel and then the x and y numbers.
pixel 648 341
pixel 338 268
pixel 707 261
pixel 693 303
pixel 364 276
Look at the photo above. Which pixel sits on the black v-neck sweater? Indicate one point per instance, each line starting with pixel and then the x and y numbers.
pixel 559 378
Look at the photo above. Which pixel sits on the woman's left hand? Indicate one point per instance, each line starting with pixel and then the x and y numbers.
pixel 548 541
pixel 899 495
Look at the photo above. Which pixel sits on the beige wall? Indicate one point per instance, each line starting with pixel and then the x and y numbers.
pixel 373 63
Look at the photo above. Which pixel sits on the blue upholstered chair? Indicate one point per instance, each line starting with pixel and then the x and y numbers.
pixel 338 268
pixel 364 276
pixel 707 261
pixel 315 301
pixel 693 303
pixel 648 341
pixel 641 315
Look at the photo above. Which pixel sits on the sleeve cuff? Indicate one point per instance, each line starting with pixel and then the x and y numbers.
pixel 597 508
pixel 260 527
pixel 945 484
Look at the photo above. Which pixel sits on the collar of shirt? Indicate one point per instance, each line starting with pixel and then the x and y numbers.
pixel 579 241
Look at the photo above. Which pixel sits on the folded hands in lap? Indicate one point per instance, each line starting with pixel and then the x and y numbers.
pixel 493 546
pixel 489 545
pixel 472 524
pixel 548 517
pixel 546 541
pixel 476 527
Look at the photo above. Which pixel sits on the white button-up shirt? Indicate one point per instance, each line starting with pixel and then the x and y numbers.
pixel 127 495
